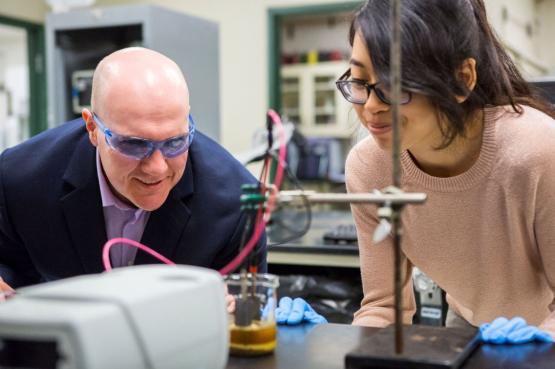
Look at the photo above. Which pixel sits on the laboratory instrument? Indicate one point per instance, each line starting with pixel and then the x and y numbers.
pixel 138 317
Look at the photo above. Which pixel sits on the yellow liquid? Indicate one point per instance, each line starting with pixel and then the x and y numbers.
pixel 259 338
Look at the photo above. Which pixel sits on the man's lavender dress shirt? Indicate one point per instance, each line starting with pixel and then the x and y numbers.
pixel 121 220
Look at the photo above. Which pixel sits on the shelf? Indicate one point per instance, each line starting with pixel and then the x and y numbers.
pixel 289 90
pixel 290 111
pixel 325 86
pixel 325 110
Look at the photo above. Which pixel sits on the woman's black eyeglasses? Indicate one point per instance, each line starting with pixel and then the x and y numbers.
pixel 357 91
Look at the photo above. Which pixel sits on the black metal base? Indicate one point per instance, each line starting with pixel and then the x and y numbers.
pixel 424 347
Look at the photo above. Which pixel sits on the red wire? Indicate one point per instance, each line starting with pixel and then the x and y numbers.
pixel 261 224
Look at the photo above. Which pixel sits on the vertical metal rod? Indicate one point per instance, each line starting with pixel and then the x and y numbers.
pixel 395 73
pixel 396 225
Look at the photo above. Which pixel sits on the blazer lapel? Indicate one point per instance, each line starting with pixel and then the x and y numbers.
pixel 166 224
pixel 82 206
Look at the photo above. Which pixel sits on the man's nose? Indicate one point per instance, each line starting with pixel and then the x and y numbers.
pixel 156 164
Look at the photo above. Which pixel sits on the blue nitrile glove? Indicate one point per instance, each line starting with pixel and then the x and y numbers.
pixel 296 311
pixel 514 331
pixel 267 308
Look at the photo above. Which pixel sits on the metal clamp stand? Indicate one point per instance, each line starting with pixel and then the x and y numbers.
pixel 426 347
pixel 391 202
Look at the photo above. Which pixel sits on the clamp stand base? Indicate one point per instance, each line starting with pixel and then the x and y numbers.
pixel 425 347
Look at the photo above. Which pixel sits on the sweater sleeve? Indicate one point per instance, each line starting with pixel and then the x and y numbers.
pixel 376 260
pixel 544 229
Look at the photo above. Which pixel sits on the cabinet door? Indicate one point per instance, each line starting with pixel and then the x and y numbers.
pixel 325 109
pixel 310 98
pixel 291 98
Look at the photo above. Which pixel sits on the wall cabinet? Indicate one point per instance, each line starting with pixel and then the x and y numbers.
pixel 310 99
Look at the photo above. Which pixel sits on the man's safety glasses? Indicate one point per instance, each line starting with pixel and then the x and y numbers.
pixel 358 92
pixel 141 148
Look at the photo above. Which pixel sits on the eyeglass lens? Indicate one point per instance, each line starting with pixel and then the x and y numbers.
pixel 359 92
pixel 142 149
pixel 139 148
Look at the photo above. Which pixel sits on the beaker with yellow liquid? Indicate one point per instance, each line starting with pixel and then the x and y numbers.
pixel 252 323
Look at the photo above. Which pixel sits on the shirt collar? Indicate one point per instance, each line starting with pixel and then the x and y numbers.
pixel 108 197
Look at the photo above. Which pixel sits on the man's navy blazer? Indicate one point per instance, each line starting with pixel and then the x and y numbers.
pixel 52 222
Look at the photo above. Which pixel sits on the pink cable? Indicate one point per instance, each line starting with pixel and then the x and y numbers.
pixel 277 182
pixel 282 157
pixel 113 241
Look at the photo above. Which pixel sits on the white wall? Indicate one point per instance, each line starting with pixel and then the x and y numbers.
pixel 14 94
pixel 517 22
pixel 29 10
pixel 546 33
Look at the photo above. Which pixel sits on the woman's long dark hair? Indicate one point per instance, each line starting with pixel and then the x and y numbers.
pixel 436 37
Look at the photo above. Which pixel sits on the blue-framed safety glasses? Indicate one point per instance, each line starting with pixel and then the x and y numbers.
pixel 141 148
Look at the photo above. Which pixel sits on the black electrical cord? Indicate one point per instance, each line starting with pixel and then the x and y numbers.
pixel 296 233
pixel 306 204
pixel 250 224
pixel 246 233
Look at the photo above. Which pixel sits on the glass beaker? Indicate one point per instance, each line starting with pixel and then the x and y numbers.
pixel 252 323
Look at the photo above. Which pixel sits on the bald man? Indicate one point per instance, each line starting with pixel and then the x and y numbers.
pixel 133 166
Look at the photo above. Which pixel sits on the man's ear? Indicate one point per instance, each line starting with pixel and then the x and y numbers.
pixel 91 126
pixel 467 74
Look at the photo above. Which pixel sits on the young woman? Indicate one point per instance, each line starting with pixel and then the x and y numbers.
pixel 481 143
